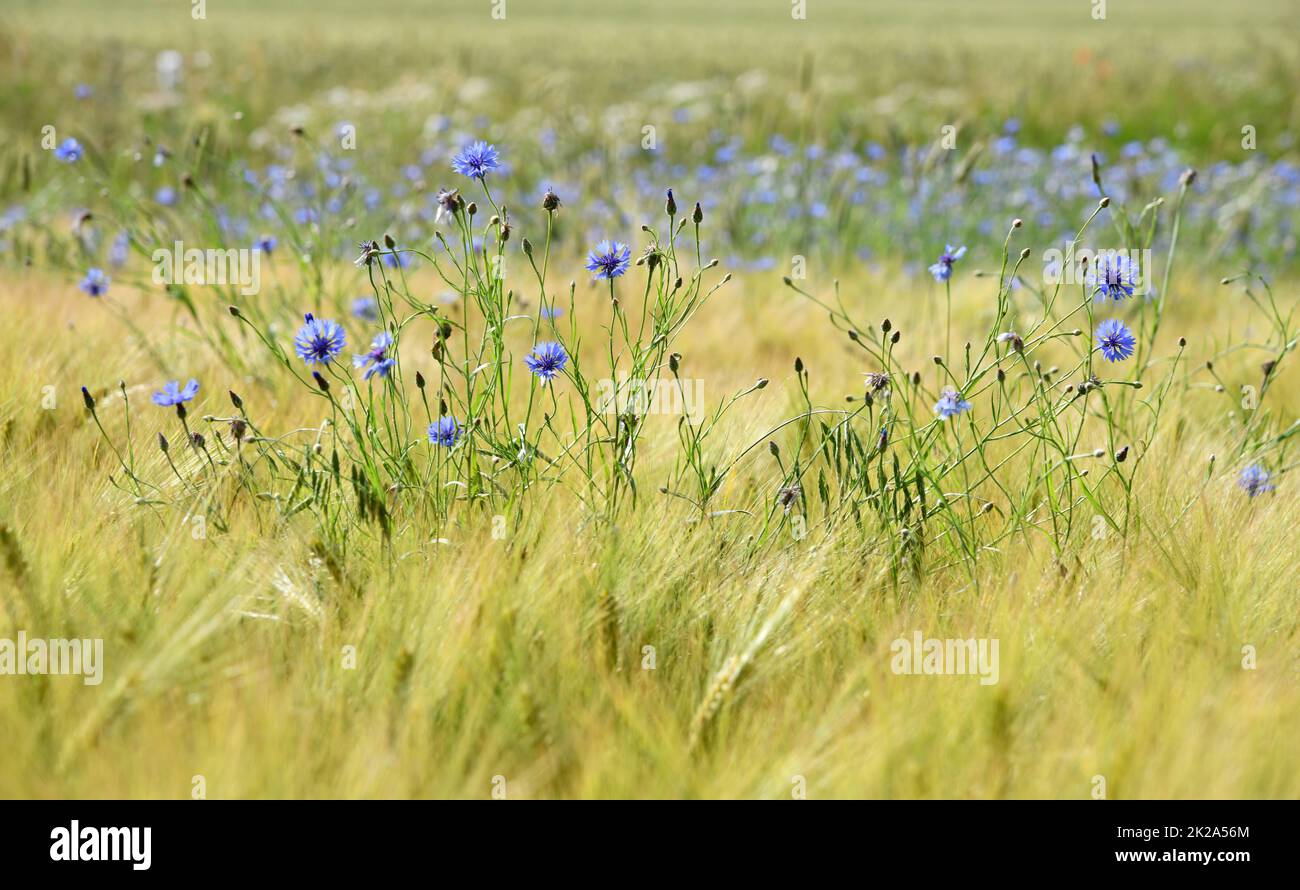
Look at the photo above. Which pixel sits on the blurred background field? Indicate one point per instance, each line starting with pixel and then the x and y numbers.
pixel 822 137
pixel 819 140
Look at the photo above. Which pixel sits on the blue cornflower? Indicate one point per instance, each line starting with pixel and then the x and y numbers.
pixel 95 283
pixel 942 270
pixel 83 91
pixel 165 196
pixel 377 358
pixel 950 404
pixel 172 394
pixel 445 432
pixel 1255 480
pixel 551 313
pixel 547 360
pixel 265 244
pixel 68 151
pixel 398 260
pixel 1115 340
pixel 365 308
pixel 119 251
pixel 476 159
pixel 319 341
pixel 609 259
pixel 1112 275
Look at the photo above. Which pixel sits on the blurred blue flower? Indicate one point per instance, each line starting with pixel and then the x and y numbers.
pixel 95 283
pixel 377 360
pixel 69 151
pixel 172 394
pixel 1255 480
pixel 319 341
pixel 119 250
pixel 398 260
pixel 942 270
pixel 445 432
pixel 950 404
pixel 365 308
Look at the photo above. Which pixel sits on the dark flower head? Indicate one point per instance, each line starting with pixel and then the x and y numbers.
pixel 1112 275
pixel 369 250
pixel 449 201
pixel 265 244
pixel 1255 480
pixel 550 201
pixel 95 283
pixel 609 259
pixel 172 394
pixel 788 495
pixel 942 270
pixel 476 160
pixel 377 360
pixel 1115 340
pixel 446 432
pixel 1014 339
pixel 951 404
pixel 319 341
pixel 547 360
pixel 876 381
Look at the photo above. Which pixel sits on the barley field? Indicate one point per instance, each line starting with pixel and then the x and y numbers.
pixel 570 400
